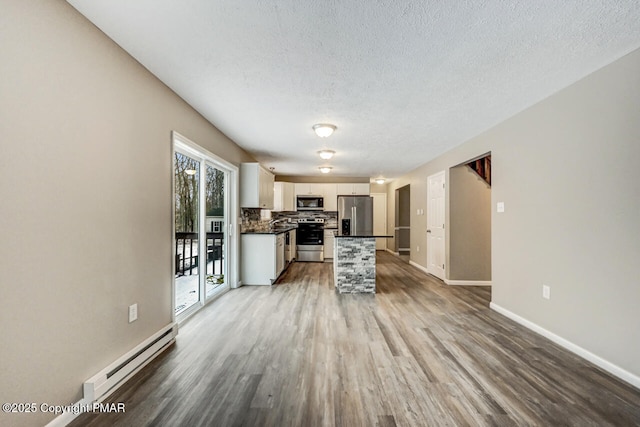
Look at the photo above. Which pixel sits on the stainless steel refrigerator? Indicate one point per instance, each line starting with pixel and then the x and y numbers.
pixel 355 215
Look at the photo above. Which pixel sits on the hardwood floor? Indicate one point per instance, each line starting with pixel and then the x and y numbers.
pixel 417 353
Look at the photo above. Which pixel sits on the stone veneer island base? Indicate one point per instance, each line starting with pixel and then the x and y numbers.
pixel 354 264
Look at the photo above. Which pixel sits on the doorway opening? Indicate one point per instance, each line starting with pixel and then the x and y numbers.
pixel 403 223
pixel 469 237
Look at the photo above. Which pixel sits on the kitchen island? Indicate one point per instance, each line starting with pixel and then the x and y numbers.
pixel 354 263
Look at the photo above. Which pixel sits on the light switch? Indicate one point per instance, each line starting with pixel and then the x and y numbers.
pixel 500 207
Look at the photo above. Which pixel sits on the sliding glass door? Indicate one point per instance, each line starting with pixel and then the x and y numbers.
pixel 216 225
pixel 203 190
pixel 187 226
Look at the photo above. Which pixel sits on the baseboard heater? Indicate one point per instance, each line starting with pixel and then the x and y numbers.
pixel 101 385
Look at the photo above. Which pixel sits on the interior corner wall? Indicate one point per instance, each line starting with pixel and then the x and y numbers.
pixel 378 188
pixel 85 185
pixel 567 171
pixel 470 226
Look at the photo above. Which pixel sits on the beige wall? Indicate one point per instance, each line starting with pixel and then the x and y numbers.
pixel 85 190
pixel 378 188
pixel 567 171
pixel 470 225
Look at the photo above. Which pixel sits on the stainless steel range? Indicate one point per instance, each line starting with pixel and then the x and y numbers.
pixel 310 240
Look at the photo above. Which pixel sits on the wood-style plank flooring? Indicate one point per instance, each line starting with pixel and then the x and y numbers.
pixel 418 353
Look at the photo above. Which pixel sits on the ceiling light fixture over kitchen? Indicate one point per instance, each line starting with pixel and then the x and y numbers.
pixel 380 181
pixel 325 169
pixel 191 172
pixel 326 154
pixel 324 130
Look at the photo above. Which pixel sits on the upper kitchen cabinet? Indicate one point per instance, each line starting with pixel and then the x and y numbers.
pixel 256 186
pixel 284 197
pixel 361 189
pixel 308 189
pixel 330 197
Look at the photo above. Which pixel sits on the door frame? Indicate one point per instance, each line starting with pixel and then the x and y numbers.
pixel 383 196
pixel 182 144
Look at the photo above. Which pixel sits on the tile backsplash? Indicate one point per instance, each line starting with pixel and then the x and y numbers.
pixel 257 219
pixel 253 218
pixel 330 217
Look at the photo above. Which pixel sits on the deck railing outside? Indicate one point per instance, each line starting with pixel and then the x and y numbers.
pixel 187 257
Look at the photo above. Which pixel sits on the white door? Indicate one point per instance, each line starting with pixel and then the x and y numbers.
pixel 435 225
pixel 380 219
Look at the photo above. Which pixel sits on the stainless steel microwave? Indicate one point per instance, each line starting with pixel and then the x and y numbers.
pixel 306 202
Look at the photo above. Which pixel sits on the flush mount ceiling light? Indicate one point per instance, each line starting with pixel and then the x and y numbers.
pixel 190 171
pixel 324 130
pixel 380 181
pixel 326 154
pixel 325 169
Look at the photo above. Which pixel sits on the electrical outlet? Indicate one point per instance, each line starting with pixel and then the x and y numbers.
pixel 546 292
pixel 500 207
pixel 133 313
pixel 417 248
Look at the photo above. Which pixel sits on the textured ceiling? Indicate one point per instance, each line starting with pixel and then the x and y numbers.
pixel 404 81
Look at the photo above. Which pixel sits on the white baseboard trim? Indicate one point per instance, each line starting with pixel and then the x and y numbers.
pixel 614 370
pixel 452 282
pixel 146 353
pixel 392 252
pixel 468 282
pixel 419 267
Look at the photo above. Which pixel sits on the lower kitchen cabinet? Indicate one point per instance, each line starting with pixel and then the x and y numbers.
pixel 328 243
pixel 262 259
pixel 290 246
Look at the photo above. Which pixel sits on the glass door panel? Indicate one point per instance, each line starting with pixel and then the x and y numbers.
pixel 216 226
pixel 187 280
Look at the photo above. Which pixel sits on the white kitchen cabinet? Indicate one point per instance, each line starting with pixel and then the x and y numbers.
pixel 360 189
pixel 292 243
pixel 280 261
pixel 303 188
pixel 328 243
pixel 330 193
pixel 256 186
pixel 284 198
pixel 262 258
pixel 316 189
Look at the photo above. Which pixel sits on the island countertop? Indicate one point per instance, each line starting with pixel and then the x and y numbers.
pixel 362 236
pixel 274 230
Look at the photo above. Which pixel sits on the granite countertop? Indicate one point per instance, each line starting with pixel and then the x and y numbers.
pixel 362 236
pixel 274 230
